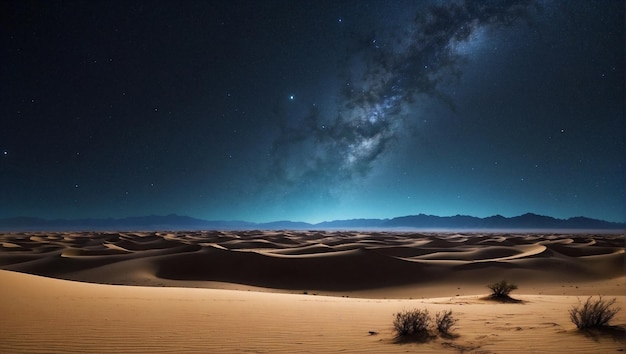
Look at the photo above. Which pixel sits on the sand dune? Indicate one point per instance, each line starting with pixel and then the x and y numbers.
pixel 337 263
pixel 313 291
pixel 43 315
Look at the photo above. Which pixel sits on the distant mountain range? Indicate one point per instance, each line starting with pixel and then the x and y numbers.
pixel 175 222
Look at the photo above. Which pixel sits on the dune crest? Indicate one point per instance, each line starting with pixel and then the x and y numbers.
pixel 334 263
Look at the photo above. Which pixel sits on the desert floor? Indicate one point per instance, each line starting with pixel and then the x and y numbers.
pixel 316 291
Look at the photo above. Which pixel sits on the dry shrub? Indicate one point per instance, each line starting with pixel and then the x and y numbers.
pixel 444 321
pixel 417 323
pixel 501 289
pixel 411 322
pixel 593 313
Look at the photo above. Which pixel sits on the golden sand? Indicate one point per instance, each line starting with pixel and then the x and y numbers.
pixel 254 291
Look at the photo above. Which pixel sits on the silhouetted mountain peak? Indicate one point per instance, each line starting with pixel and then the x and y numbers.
pixel 420 221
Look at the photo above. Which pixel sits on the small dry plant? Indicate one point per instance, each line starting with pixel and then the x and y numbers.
pixel 417 323
pixel 593 313
pixel 444 321
pixel 501 289
pixel 411 322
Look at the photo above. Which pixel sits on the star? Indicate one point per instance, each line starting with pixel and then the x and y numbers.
pixel 394 89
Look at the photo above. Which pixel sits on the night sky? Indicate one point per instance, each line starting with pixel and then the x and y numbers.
pixel 312 110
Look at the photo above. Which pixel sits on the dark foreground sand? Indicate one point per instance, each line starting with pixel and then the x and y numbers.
pixel 305 291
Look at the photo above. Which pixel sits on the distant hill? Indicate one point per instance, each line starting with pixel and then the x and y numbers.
pixel 175 222
pixel 526 221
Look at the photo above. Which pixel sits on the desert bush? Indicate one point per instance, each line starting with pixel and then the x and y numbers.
pixel 411 322
pixel 444 321
pixel 593 313
pixel 402 322
pixel 501 289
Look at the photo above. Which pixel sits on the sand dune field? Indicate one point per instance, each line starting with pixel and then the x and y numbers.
pixel 288 291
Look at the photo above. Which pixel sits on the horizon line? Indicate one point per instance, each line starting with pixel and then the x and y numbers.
pixel 300 221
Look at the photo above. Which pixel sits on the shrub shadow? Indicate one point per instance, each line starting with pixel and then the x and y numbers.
pixel 414 338
pixel 450 336
pixel 617 333
pixel 503 299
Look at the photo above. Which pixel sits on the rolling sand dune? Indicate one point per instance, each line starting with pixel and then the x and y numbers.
pixel 336 263
pixel 289 277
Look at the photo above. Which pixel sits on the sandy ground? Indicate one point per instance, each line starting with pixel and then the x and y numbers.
pixel 254 291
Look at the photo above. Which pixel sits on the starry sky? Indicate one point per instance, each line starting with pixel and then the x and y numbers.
pixel 312 110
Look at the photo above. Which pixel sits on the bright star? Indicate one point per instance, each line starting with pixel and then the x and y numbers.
pixel 291 97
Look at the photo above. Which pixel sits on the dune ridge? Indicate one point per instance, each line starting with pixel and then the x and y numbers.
pixel 333 263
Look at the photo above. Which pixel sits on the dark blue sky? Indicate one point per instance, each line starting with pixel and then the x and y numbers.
pixel 312 110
